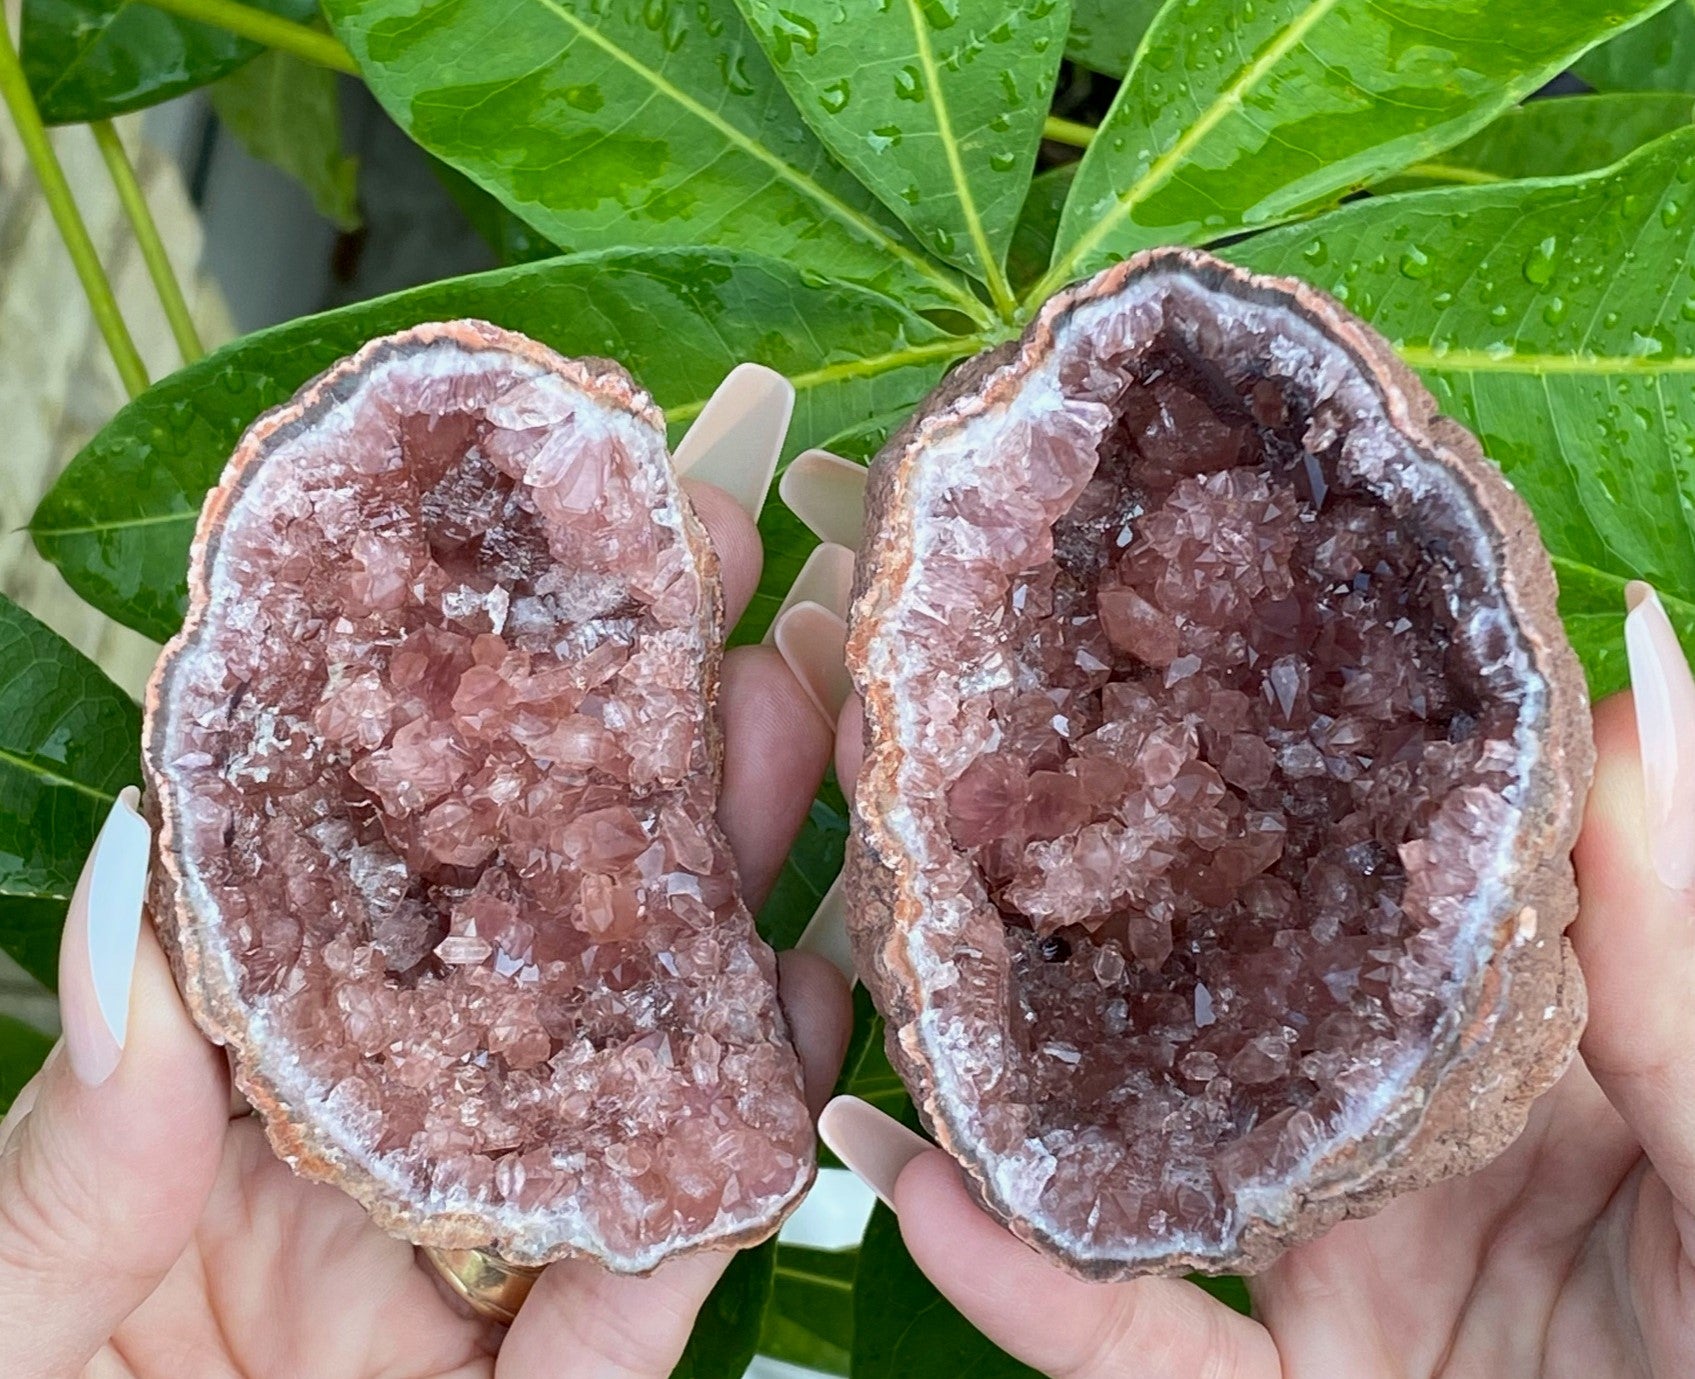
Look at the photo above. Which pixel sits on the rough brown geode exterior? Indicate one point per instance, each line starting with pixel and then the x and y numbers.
pixel 216 1007
pixel 1527 1007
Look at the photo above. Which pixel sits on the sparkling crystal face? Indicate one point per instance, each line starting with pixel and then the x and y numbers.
pixel 441 751
pixel 1223 720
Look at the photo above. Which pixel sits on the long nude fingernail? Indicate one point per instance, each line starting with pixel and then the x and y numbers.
pixel 828 494
pixel 737 438
pixel 826 579
pixel 826 932
pixel 813 641
pixel 1665 733
pixel 97 955
pixel 874 1145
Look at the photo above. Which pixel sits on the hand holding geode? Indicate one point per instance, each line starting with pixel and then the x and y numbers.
pixel 1224 755
pixel 434 762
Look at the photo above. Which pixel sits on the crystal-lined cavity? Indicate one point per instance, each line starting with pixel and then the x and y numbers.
pixel 1201 727
pixel 438 760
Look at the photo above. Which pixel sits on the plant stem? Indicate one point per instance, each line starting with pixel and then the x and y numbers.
pixel 147 237
pixel 14 90
pixel 282 34
pixel 1068 132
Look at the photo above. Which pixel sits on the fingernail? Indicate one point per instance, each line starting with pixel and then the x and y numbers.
pixel 826 932
pixel 875 1146
pixel 1665 733
pixel 813 641
pixel 738 436
pixel 826 579
pixel 97 957
pixel 828 494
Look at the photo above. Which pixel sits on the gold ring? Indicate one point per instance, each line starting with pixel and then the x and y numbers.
pixel 493 1288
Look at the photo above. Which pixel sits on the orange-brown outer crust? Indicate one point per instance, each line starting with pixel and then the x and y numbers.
pixel 218 1009
pixel 1527 1008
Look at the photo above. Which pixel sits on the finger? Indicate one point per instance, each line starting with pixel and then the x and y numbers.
pixel 1152 1328
pixel 582 1321
pixel 850 742
pixel 736 440
pixel 736 539
pixel 776 747
pixel 1635 935
pixel 820 1015
pixel 103 1181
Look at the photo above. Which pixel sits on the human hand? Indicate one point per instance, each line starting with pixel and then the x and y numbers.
pixel 146 1230
pixel 1571 1255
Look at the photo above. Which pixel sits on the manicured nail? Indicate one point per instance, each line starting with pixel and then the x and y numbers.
pixel 1665 733
pixel 828 494
pixel 826 932
pixel 826 579
pixel 97 956
pixel 875 1146
pixel 813 641
pixel 735 441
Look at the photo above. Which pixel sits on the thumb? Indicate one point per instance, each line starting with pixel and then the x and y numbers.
pixel 104 1174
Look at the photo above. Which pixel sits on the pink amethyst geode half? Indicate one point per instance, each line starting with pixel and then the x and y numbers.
pixel 433 763
pixel 1224 755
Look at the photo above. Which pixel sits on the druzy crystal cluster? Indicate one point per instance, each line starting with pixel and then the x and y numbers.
pixel 437 762
pixel 1209 720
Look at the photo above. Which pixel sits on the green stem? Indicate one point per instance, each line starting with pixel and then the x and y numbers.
pixel 247 22
pixel 1068 132
pixel 14 90
pixel 147 237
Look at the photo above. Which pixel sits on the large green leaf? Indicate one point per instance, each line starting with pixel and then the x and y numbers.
pixel 69 741
pixel 23 1049
pixel 1656 56
pixel 92 59
pixel 1552 138
pixel 726 1332
pixel 1556 319
pixel 288 112
pixel 808 870
pixel 904 1329
pixel 1104 33
pixel 1242 115
pixel 1038 223
pixel 631 122
pixel 936 105
pixel 118 521
pixel 810 1319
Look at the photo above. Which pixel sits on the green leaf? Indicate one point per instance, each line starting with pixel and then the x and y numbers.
pixel 1656 56
pixel 29 932
pixel 119 520
pixel 1556 320
pixel 287 112
pixel 511 239
pixel 632 123
pixel 1228 1289
pixel 866 1071
pixel 1237 116
pixel 936 105
pixel 23 1049
pixel 92 59
pixel 1104 33
pixel 726 1332
pixel 904 1329
pixel 69 741
pixel 808 870
pixel 810 1319
pixel 1552 138
pixel 1038 223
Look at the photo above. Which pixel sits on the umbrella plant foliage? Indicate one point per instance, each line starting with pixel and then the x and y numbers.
pixel 860 193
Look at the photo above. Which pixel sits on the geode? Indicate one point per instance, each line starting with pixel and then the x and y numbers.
pixel 433 763
pixel 1224 754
